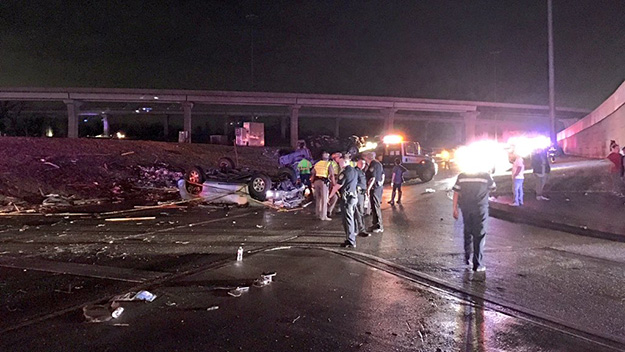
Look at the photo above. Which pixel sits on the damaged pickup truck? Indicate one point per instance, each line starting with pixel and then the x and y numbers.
pixel 229 184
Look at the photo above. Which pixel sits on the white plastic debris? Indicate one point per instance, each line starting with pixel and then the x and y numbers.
pixel 265 279
pixel 430 190
pixel 237 292
pixel 139 296
pixel 240 254
pixel 117 312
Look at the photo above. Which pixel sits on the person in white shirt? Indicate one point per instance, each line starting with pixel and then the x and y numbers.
pixel 517 179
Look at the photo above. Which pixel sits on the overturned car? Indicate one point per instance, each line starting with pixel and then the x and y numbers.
pixel 228 184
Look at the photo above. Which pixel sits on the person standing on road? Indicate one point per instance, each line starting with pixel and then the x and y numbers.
pixel 347 183
pixel 518 168
pixel 334 163
pixel 615 171
pixel 471 195
pixel 321 174
pixel 541 170
pixel 396 181
pixel 375 184
pixel 304 167
pixel 623 164
pixel 361 190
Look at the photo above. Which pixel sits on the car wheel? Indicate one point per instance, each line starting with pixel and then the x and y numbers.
pixel 287 173
pixel 427 175
pixel 258 186
pixel 225 164
pixel 194 180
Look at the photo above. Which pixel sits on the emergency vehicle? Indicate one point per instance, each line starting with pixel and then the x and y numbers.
pixel 419 164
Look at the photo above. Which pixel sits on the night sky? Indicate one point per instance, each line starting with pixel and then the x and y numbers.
pixel 419 48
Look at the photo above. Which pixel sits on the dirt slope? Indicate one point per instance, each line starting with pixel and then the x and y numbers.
pixel 109 170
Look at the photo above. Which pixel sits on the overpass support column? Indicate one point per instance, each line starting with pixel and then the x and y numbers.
pixel 73 114
pixel 337 127
pixel 166 128
pixel 469 126
pixel 283 125
pixel 294 125
pixel 105 125
pixel 389 119
pixel 458 127
pixel 186 108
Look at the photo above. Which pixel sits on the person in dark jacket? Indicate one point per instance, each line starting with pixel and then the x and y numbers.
pixel 347 185
pixel 375 186
pixel 471 196
pixel 541 170
pixel 361 191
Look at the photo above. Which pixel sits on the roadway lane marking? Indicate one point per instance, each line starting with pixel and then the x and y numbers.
pixel 186 226
pixel 88 270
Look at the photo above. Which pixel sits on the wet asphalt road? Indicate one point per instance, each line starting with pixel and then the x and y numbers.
pixel 403 290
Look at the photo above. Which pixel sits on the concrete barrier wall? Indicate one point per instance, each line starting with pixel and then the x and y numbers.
pixel 590 137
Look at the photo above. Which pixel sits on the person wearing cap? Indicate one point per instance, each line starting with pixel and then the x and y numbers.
pixel 322 172
pixel 471 195
pixel 334 163
pixel 375 185
pixel 347 182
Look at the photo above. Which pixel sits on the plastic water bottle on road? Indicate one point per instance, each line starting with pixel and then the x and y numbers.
pixel 240 254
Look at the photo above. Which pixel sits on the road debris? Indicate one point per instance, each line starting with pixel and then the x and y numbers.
pixel 296 319
pixel 264 280
pixel 212 308
pixel 98 313
pixel 117 312
pixel 237 292
pixel 141 218
pixel 138 296
pixel 45 162
pixel 127 153
pixel 55 200
pixel 429 190
pixel 239 254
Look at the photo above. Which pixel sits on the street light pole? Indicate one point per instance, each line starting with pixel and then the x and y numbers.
pixel 552 93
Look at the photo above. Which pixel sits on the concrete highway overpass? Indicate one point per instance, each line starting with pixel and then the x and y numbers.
pixel 468 118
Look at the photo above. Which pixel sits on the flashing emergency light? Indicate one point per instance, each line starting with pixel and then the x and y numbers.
pixel 525 145
pixel 482 156
pixel 368 146
pixel 445 155
pixel 392 139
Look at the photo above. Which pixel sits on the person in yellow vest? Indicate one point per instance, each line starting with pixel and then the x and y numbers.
pixel 334 198
pixel 304 167
pixel 322 173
